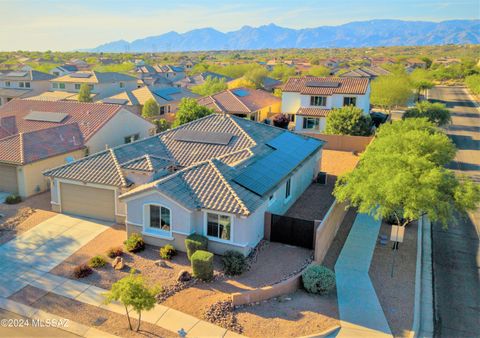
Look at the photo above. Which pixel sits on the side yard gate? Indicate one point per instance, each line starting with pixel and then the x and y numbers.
pixel 293 231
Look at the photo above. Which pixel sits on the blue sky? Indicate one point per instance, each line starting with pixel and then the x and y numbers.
pixel 72 24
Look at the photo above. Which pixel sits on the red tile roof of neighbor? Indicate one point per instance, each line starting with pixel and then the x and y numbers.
pixel 229 101
pixel 346 85
pixel 89 117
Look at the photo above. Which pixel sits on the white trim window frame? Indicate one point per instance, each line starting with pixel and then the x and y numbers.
pixel 288 190
pixel 350 101
pixel 220 216
pixel 311 123
pixel 147 219
pixel 318 101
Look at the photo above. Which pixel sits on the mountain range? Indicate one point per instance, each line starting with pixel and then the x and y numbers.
pixel 371 33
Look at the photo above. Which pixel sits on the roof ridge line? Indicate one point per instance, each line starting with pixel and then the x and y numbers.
pixel 219 106
pixel 22 153
pixel 235 96
pixel 117 165
pixel 242 130
pixel 149 161
pixel 229 187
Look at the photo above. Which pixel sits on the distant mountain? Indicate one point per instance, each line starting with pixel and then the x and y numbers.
pixel 355 34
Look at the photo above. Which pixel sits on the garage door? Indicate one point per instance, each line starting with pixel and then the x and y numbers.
pixel 87 201
pixel 8 179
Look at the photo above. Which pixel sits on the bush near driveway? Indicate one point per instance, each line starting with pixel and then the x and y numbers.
pixel 13 199
pixel 115 252
pixel 134 243
pixel 167 251
pixel 318 279
pixel 81 271
pixel 195 242
pixel 202 265
pixel 234 263
pixel 97 262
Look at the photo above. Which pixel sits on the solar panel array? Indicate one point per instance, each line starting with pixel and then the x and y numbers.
pixel 17 74
pixel 241 92
pixel 80 75
pixel 322 84
pixel 198 136
pixel 43 116
pixel 263 175
pixel 165 93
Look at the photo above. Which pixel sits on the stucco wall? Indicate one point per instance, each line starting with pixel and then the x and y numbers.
pixel 124 123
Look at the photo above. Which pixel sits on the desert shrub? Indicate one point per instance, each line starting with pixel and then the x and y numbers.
pixel 234 263
pixel 281 121
pixel 81 271
pixel 167 251
pixel 318 279
pixel 202 265
pixel 134 243
pixel 97 262
pixel 195 242
pixel 115 252
pixel 13 199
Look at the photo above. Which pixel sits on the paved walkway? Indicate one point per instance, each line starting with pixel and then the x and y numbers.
pixel 27 260
pixel 360 311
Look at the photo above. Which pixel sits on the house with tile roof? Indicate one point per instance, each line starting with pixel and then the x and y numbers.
pixel 369 72
pixel 22 83
pixel 215 176
pixel 37 135
pixel 308 100
pixel 102 84
pixel 64 70
pixel 160 75
pixel 254 104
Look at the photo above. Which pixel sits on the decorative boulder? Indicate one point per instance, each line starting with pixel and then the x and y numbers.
pixel 117 263
pixel 184 276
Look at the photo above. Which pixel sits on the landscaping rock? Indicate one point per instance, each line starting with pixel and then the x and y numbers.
pixel 161 263
pixel 222 313
pixel 117 263
pixel 169 291
pixel 184 276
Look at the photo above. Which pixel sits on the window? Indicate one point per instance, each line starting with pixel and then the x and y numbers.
pixel 287 188
pixel 311 123
pixel 27 84
pixel 122 84
pixel 7 84
pixel 54 85
pixel 77 86
pixel 61 85
pixel 91 86
pixel 318 101
pixel 131 138
pixel 160 218
pixel 271 199
pixel 21 84
pixel 162 110
pixel 219 226
pixel 349 101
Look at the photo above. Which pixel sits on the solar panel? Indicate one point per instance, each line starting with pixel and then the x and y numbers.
pixel 197 136
pixel 241 92
pixel 321 84
pixel 263 175
pixel 80 75
pixel 165 93
pixel 17 74
pixel 43 116
pixel 115 101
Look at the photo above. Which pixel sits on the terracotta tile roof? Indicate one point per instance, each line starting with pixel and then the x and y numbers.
pixel 29 147
pixel 239 100
pixel 347 85
pixel 13 92
pixel 90 117
pixel 318 112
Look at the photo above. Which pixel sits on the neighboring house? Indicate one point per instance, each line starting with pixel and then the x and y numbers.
pixel 308 100
pixel 54 96
pixel 187 64
pixel 413 63
pixel 160 75
pixel 254 104
pixel 101 84
pixel 268 83
pixel 200 79
pixel 20 84
pixel 167 98
pixel 80 64
pixel 368 72
pixel 215 176
pixel 38 135
pixel 64 70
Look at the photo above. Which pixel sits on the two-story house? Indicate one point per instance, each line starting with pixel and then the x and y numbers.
pixel 20 84
pixel 101 85
pixel 308 100
pixel 64 70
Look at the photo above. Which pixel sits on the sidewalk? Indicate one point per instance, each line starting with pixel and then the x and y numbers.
pixel 360 311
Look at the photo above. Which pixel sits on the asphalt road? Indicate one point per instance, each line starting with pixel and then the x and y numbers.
pixel 456 252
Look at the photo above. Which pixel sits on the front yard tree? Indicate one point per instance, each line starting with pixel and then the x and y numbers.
pixel 84 93
pixel 210 86
pixel 189 110
pixel 150 109
pixel 132 293
pixel 348 120
pixel 390 91
pixel 402 174
pixel 421 80
pixel 435 112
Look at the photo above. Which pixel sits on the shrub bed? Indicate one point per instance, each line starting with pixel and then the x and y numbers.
pixel 13 199
pixel 97 262
pixel 195 242
pixel 81 271
pixel 318 279
pixel 234 263
pixel 114 252
pixel 167 251
pixel 135 243
pixel 202 265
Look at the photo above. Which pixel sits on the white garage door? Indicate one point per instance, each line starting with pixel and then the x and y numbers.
pixel 87 201
pixel 8 179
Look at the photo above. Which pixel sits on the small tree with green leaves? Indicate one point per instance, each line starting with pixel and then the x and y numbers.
pixel 435 112
pixel 161 125
pixel 189 110
pixel 256 77
pixel 402 175
pixel 421 80
pixel 150 109
pixel 319 71
pixel 390 91
pixel 348 120
pixel 210 86
pixel 84 93
pixel 132 292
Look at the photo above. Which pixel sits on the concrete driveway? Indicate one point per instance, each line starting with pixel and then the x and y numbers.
pixel 44 247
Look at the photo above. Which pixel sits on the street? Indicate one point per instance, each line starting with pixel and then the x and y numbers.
pixel 456 252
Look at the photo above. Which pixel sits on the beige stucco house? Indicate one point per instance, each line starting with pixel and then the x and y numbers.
pixel 21 84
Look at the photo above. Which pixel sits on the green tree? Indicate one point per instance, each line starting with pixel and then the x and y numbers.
pixel 84 93
pixel 189 110
pixel 319 71
pixel 421 80
pixel 473 83
pixel 132 292
pixel 348 120
pixel 150 109
pixel 161 125
pixel 282 72
pixel 427 60
pixel 210 86
pixel 402 174
pixel 256 76
pixel 390 91
pixel 434 112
